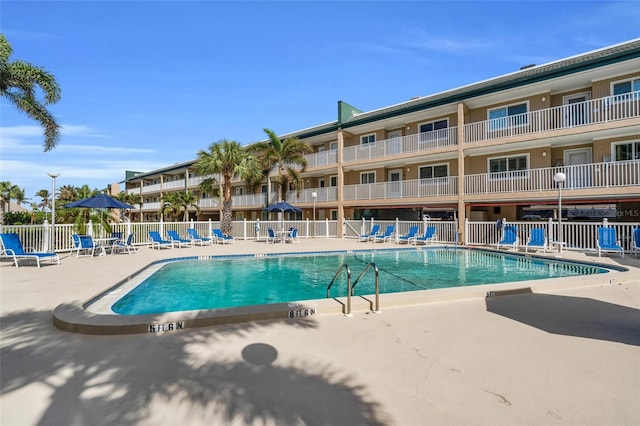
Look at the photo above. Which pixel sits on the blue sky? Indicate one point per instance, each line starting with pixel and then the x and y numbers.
pixel 148 84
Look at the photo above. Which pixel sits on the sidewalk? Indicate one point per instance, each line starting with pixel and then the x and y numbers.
pixel 564 356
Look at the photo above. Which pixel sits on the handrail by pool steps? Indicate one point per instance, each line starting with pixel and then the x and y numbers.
pixel 364 271
pixel 346 268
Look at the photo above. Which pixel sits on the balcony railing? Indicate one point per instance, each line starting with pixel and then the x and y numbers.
pixel 323 158
pixel 402 145
pixel 594 111
pixel 585 176
pixel 306 195
pixel 436 187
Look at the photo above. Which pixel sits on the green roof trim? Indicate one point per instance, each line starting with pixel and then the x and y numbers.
pixel 346 112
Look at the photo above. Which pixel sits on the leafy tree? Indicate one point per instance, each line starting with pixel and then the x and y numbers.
pixel 8 192
pixel 19 82
pixel 230 160
pixel 288 157
pixel 131 199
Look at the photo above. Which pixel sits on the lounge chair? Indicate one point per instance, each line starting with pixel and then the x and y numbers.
pixel 176 239
pixel 408 236
pixel 537 239
pixel 124 245
pixel 429 236
pixel 292 236
pixel 271 236
pixel 222 238
pixel 12 247
pixel 388 233
pixel 608 242
pixel 197 239
pixel 635 241
pixel 155 240
pixel 374 231
pixel 509 237
pixel 85 244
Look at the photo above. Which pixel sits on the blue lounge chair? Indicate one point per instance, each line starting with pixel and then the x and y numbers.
pixel 271 236
pixel 85 244
pixel 12 247
pixel 537 239
pixel 635 241
pixel 124 245
pixel 155 240
pixel 222 238
pixel 197 239
pixel 176 239
pixel 429 236
pixel 388 233
pixel 509 237
pixel 374 231
pixel 292 236
pixel 608 242
pixel 408 236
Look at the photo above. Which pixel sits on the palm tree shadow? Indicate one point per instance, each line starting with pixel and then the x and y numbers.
pixel 114 379
pixel 571 316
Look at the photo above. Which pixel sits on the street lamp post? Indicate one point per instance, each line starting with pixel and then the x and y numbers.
pixel 53 210
pixel 559 179
pixel 314 195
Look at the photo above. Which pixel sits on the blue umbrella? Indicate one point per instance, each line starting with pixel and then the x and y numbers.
pixel 283 207
pixel 101 201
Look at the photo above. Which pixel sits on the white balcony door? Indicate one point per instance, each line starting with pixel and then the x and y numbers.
pixel 394 143
pixel 577 109
pixel 578 177
pixel 395 183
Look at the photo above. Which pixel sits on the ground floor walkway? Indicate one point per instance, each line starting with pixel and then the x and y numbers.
pixel 562 356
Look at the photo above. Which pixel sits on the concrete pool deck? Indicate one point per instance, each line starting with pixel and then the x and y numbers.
pixel 564 354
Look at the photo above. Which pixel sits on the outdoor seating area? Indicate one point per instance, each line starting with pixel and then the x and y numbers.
pixel 509 237
pixel 537 240
pixel 222 238
pixel 374 231
pixel 608 242
pixel 410 235
pixel 388 234
pixel 429 236
pixel 197 239
pixel 177 240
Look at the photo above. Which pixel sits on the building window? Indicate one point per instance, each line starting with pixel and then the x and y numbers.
pixel 368 139
pixel 509 167
pixel 367 177
pixel 508 116
pixel 626 151
pixel 239 191
pixel 628 86
pixel 333 181
pixel 435 171
pixel 333 146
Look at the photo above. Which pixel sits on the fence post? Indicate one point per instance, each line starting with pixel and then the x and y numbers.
pixel 89 229
pixel 605 223
pixel 466 231
pixel 210 229
pixel 397 233
pixel 244 228
pixel 45 236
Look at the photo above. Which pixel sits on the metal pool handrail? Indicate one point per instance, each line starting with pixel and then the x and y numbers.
pixel 364 271
pixel 335 277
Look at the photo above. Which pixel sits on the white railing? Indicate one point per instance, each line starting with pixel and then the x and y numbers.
pixel 436 187
pixel 597 175
pixel 249 200
pixel 323 158
pixel 602 110
pixel 306 195
pixel 401 145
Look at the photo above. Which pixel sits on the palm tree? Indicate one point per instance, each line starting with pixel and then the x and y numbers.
pixel 287 156
pixel 188 199
pixel 20 197
pixel 7 193
pixel 19 83
pixel 46 199
pixel 230 160
pixel 132 199
pixel 170 205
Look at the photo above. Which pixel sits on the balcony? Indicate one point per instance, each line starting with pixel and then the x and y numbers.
pixel 320 159
pixel 421 188
pixel 587 176
pixel 402 145
pixel 306 196
pixel 595 111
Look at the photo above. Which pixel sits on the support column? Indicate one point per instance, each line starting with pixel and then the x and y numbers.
pixel 340 191
pixel 462 212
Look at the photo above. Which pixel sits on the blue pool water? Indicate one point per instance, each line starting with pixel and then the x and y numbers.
pixel 223 283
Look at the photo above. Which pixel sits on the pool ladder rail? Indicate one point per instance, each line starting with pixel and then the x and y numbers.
pixel 350 287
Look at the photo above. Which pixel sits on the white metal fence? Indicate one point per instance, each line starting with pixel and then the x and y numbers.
pixel 576 235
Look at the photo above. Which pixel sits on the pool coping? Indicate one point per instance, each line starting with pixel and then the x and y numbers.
pixel 74 316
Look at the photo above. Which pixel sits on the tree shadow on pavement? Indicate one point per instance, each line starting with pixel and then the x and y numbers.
pixel 120 379
pixel 571 316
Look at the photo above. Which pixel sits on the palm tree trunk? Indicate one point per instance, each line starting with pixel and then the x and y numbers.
pixel 227 217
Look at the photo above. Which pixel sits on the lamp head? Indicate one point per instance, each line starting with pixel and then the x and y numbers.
pixel 314 194
pixel 53 175
pixel 559 177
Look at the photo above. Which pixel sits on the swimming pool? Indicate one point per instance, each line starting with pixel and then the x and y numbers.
pixel 224 283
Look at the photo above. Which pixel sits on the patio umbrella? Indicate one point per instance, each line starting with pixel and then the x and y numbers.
pixel 100 201
pixel 282 207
